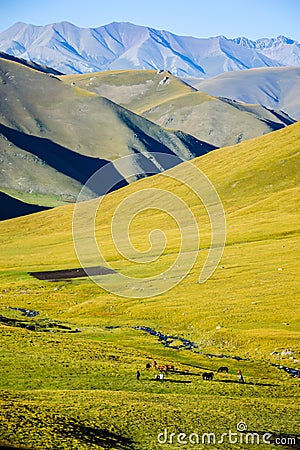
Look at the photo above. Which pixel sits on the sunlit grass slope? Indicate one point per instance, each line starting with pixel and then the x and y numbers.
pixel 78 390
pixel 258 182
pixel 137 90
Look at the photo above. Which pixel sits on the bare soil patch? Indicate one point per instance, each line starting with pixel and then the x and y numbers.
pixel 55 275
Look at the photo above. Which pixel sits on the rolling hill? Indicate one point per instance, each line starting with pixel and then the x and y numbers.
pixel 118 46
pixel 137 90
pixel 260 194
pixel 71 347
pixel 54 136
pixel 169 102
pixel 276 88
pixel 69 372
pixel 259 190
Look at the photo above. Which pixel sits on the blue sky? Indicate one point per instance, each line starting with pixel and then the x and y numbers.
pixel 200 18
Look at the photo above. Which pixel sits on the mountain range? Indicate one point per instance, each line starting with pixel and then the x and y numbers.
pixel 47 148
pixel 54 136
pixel 169 102
pixel 56 131
pixel 116 46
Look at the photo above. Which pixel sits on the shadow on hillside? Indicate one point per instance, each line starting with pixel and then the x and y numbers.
pixel 186 373
pixel 12 447
pixel 70 163
pixel 246 383
pixel 287 120
pixel 97 436
pixel 160 145
pixel 11 207
pixel 169 380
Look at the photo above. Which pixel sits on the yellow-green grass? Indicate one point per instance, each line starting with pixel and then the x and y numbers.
pixel 41 199
pixel 59 383
pixel 260 201
pixel 248 308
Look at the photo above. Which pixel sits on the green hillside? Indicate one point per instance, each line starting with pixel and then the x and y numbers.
pixel 169 102
pixel 78 389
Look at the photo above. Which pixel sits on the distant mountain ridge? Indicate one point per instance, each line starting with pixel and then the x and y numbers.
pixel 117 46
pixel 30 64
pixel 272 87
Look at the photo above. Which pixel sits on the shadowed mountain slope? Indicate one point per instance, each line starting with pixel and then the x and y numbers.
pixel 54 136
pixel 30 64
pixel 11 207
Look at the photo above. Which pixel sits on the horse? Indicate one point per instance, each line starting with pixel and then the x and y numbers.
pixel 223 369
pixel 163 368
pixel 207 376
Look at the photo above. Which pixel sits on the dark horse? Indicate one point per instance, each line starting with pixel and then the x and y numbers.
pixel 223 369
pixel 207 375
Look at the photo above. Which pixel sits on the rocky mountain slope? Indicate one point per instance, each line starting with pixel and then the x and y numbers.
pixel 167 101
pixel 53 137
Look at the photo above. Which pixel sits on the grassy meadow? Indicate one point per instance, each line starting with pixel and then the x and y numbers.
pixel 68 374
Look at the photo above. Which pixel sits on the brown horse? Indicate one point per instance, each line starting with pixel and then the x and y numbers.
pixel 163 368
pixel 208 376
pixel 223 369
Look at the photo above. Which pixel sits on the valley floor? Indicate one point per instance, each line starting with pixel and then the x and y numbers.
pixel 64 387
pixel 68 373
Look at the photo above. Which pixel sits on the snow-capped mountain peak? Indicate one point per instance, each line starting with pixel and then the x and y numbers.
pixel 123 45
